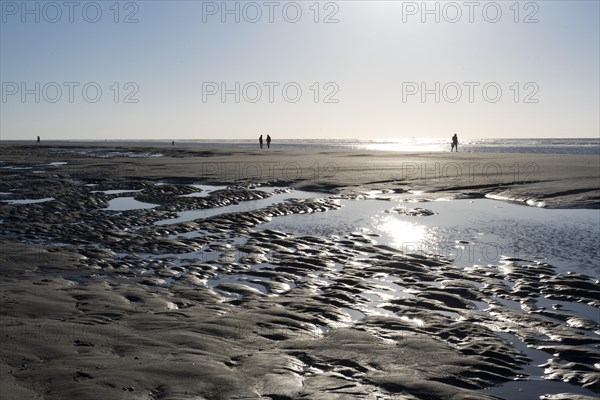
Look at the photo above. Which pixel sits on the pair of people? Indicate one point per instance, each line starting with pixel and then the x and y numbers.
pixel 260 141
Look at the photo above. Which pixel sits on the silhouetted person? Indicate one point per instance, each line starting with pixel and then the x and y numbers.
pixel 173 143
pixel 260 141
pixel 454 143
pixel 38 139
pixel 268 142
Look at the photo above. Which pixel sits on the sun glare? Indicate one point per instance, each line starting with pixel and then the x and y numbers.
pixel 404 235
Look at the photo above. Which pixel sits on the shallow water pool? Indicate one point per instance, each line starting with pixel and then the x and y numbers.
pixel 127 203
pixel 480 231
pixel 29 201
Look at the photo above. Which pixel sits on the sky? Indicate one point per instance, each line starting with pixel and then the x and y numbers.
pixel 305 69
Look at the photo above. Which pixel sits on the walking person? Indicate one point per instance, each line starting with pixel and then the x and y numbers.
pixel 268 141
pixel 260 141
pixel 454 143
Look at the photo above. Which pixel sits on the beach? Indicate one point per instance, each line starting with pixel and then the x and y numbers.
pixel 172 272
pixel 559 180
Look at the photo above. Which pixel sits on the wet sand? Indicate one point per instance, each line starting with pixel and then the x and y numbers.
pixel 556 180
pixel 103 304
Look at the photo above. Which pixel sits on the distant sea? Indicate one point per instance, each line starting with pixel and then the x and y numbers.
pixel 541 146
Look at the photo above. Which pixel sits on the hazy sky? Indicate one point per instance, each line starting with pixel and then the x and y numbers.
pixel 189 70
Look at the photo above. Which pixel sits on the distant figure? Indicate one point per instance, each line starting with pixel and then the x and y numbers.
pixel 38 139
pixel 454 143
pixel 260 141
pixel 173 143
pixel 268 142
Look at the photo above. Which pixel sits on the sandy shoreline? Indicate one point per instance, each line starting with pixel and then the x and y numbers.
pixel 101 304
pixel 548 180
